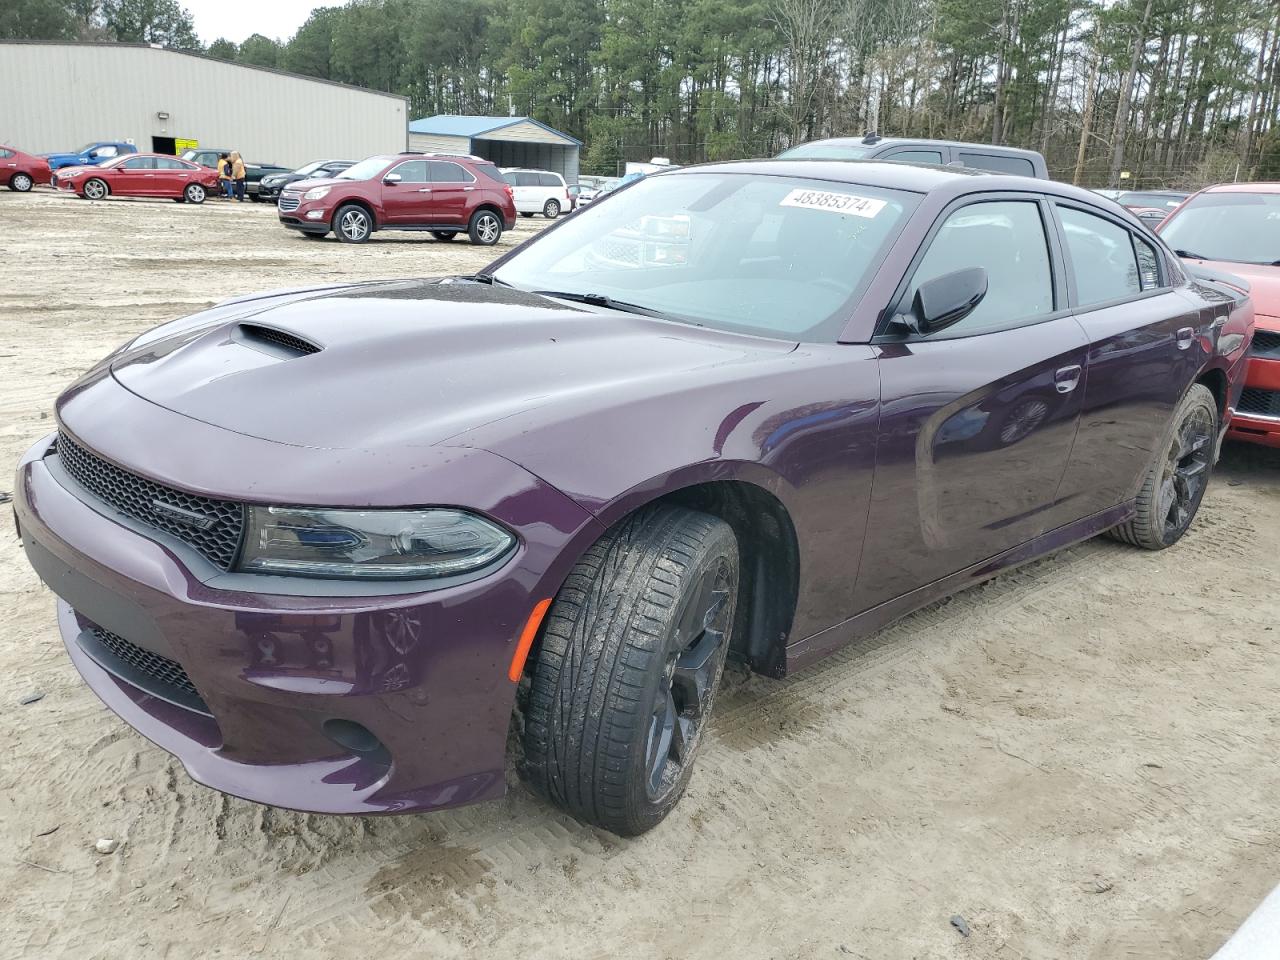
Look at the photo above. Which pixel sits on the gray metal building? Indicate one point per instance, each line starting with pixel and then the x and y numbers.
pixel 507 141
pixel 59 96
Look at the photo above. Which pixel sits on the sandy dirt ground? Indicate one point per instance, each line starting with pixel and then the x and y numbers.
pixel 1078 758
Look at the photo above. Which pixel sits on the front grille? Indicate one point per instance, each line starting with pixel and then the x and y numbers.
pixel 213 527
pixel 289 203
pixel 1266 343
pixel 279 337
pixel 157 675
pixel 1263 402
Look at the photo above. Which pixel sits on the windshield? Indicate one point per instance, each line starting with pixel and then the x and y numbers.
pixel 773 256
pixel 1137 199
pixel 366 169
pixel 310 167
pixel 1233 226
pixel 825 150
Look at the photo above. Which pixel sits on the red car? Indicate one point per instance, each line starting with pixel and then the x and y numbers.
pixel 139 175
pixel 21 171
pixel 442 194
pixel 1235 228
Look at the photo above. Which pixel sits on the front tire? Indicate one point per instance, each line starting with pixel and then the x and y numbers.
pixel 631 656
pixel 1176 481
pixel 21 182
pixel 444 236
pixel 95 189
pixel 194 193
pixel 551 210
pixel 485 228
pixel 352 224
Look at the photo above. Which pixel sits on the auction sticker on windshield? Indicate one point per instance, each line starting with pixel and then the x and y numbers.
pixel 835 202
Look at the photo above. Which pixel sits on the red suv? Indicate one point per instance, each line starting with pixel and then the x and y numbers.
pixel 442 194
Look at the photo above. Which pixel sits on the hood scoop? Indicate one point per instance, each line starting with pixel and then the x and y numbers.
pixel 280 343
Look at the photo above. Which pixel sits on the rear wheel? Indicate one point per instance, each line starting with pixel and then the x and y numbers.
pixel 21 182
pixel 526 214
pixel 485 228
pixel 444 236
pixel 632 652
pixel 314 236
pixel 96 189
pixel 194 193
pixel 1176 481
pixel 352 224
pixel 551 210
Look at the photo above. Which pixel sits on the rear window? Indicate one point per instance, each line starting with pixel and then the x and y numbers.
pixel 997 163
pixel 490 172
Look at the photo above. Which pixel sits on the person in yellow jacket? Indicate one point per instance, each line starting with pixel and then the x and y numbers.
pixel 224 176
pixel 237 174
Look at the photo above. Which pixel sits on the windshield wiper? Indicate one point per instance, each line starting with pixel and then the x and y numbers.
pixel 1188 255
pixel 601 300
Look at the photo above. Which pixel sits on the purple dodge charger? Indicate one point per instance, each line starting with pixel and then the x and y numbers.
pixel 326 545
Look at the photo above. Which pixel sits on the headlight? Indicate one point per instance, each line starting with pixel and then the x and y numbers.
pixel 370 544
pixel 317 193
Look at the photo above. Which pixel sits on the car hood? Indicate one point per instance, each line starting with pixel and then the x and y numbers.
pixel 66 172
pixel 1264 283
pixel 420 363
pixel 321 182
pixel 61 157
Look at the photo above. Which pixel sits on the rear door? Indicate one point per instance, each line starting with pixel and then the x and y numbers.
pixel 452 187
pixel 977 420
pixel 1146 343
pixel 406 194
pixel 172 176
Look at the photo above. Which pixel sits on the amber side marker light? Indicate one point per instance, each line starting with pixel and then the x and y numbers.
pixel 526 640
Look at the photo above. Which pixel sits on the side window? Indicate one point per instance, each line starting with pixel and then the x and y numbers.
pixel 1148 264
pixel 1102 257
pixel 526 179
pixel 512 179
pixel 165 163
pixel 105 152
pixel 549 180
pixel 1007 239
pixel 411 171
pixel 997 163
pixel 5 154
pixel 915 156
pixel 139 163
pixel 444 171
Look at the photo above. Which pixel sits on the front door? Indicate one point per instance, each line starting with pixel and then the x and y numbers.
pixel 977 420
pixel 406 194
pixel 1146 344
pixel 451 190
pixel 135 177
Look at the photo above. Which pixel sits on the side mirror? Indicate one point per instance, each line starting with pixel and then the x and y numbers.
pixel 391 179
pixel 946 300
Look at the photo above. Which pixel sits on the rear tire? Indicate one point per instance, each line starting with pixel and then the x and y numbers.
pixel 444 236
pixel 485 228
pixel 632 653
pixel 194 193
pixel 1175 483
pixel 21 182
pixel 314 236
pixel 352 224
pixel 95 189
pixel 526 214
pixel 551 210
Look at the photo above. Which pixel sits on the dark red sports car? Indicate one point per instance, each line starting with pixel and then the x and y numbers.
pixel 320 545
pixel 139 175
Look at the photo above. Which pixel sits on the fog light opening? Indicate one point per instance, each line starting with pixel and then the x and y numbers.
pixel 357 739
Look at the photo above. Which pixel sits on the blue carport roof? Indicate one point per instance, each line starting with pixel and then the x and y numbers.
pixel 449 125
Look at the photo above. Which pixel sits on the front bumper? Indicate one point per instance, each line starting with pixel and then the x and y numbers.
pixel 425 673
pixel 1257 415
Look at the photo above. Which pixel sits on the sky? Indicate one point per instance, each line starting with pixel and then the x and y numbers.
pixel 238 19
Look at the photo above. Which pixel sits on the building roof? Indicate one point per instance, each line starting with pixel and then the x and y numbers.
pixel 472 126
pixel 204 56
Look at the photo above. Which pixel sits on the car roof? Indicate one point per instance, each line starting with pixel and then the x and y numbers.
pixel 1264 186
pixel 897 141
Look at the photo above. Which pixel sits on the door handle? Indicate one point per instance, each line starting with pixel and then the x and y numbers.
pixel 425 190
pixel 1185 336
pixel 468 189
pixel 1067 378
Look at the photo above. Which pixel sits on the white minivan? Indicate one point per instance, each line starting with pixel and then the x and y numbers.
pixel 538 191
